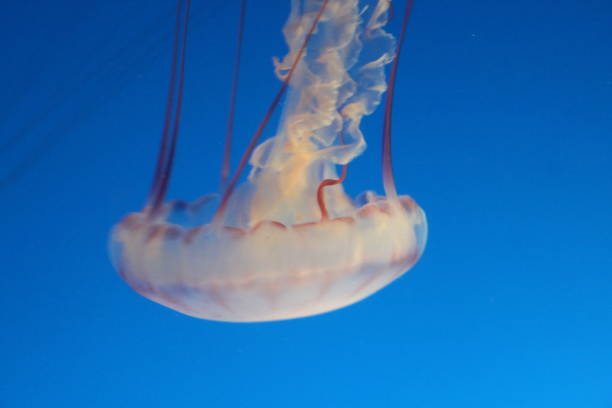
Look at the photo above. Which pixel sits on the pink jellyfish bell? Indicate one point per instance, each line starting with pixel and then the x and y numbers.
pixel 287 242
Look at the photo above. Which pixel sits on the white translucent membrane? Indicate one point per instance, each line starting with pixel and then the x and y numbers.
pixel 271 256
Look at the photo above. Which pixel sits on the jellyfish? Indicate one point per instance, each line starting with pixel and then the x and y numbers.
pixel 287 241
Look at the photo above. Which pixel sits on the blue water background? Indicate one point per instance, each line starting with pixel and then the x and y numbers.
pixel 503 134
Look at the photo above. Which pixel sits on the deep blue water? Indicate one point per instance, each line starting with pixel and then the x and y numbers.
pixel 503 134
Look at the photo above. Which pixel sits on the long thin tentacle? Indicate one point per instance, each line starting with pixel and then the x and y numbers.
pixel 163 147
pixel 321 191
pixel 387 168
pixel 169 139
pixel 177 119
pixel 232 105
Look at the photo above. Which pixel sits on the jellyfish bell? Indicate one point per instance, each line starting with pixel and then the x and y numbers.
pixel 270 271
pixel 288 242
